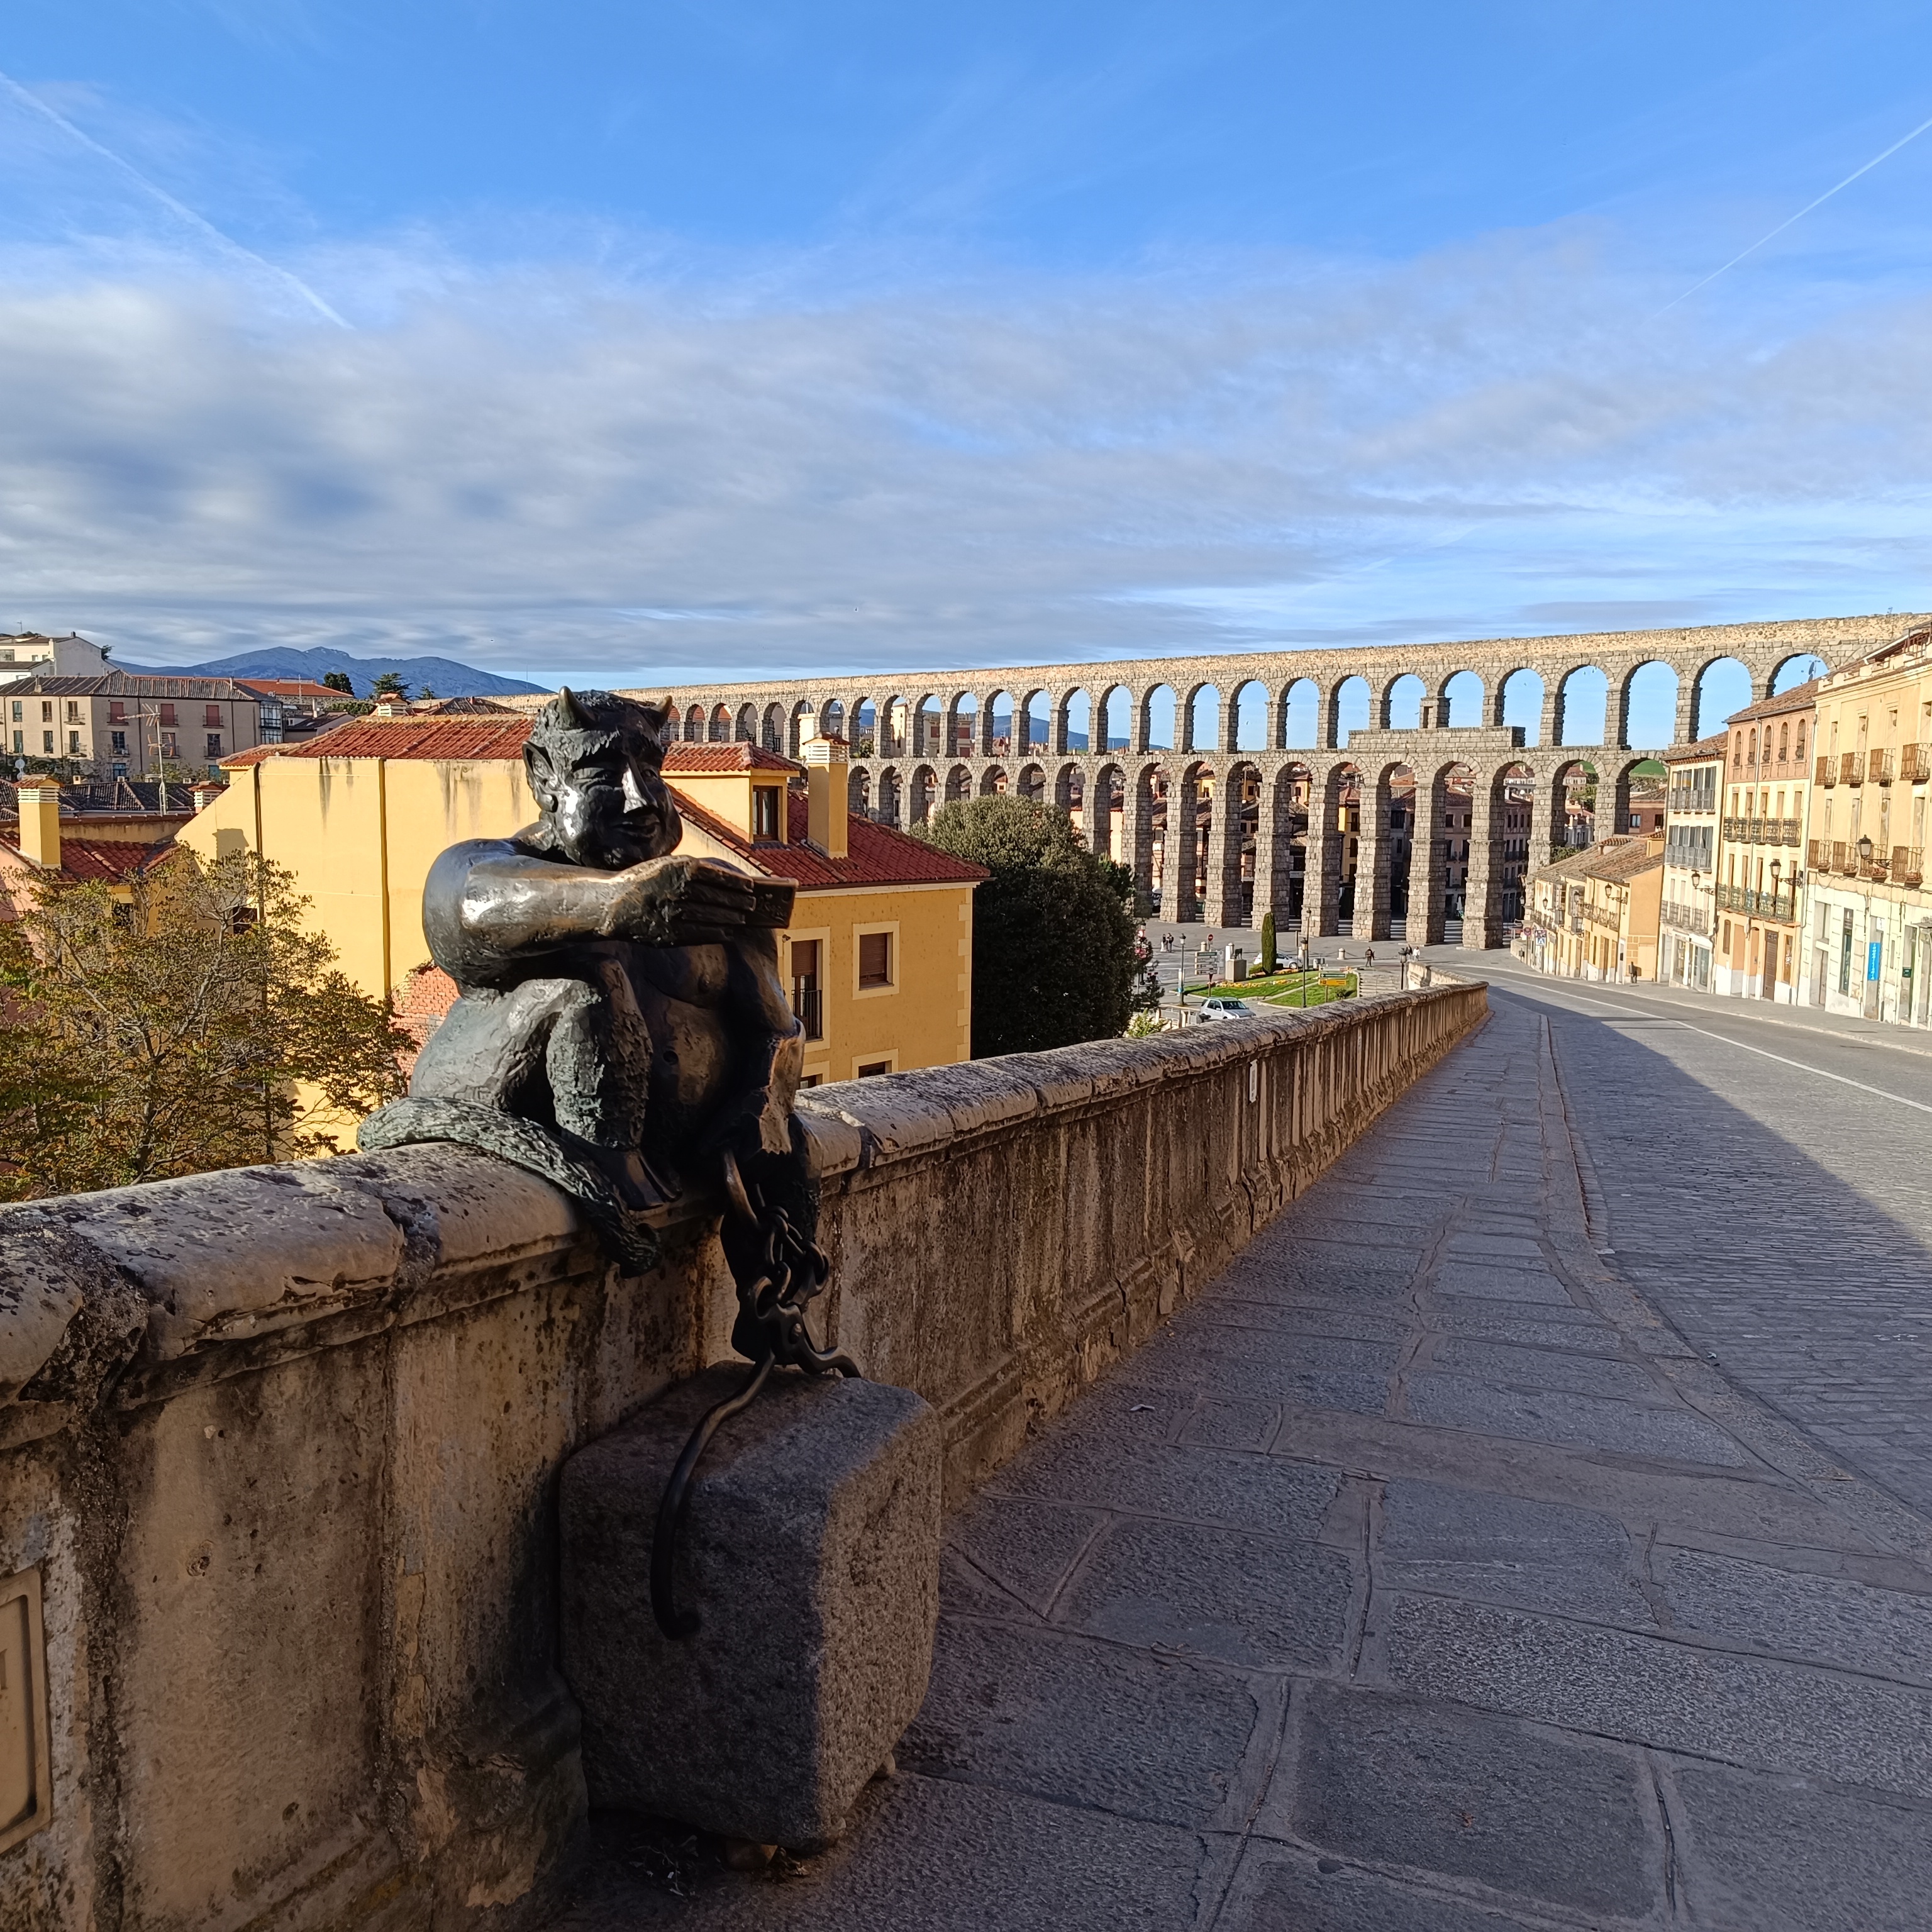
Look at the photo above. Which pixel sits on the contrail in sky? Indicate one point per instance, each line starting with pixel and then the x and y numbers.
pixel 1799 217
pixel 180 210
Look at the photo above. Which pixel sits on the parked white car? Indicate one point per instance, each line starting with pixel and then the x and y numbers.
pixel 1219 1006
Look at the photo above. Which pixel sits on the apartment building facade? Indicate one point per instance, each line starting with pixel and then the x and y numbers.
pixel 120 724
pixel 1758 906
pixel 1868 929
pixel 1595 914
pixel 1694 799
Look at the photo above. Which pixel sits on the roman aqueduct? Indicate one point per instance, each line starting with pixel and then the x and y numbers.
pixel 1314 745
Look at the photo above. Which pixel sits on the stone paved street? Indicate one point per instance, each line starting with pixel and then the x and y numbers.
pixel 1533 1529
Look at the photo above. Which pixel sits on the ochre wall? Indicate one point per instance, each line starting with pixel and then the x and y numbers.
pixel 361 835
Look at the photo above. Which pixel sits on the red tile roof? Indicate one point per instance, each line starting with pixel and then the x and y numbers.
pixel 111 859
pixel 1799 697
pixel 296 687
pixel 734 757
pixel 1712 747
pixel 404 738
pixel 876 855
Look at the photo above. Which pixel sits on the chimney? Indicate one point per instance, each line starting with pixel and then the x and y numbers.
pixel 825 768
pixel 40 823
pixel 205 794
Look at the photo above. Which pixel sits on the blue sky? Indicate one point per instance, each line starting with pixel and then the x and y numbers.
pixel 629 340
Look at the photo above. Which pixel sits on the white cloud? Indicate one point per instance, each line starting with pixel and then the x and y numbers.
pixel 669 470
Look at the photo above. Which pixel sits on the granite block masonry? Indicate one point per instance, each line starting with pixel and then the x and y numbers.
pixel 811 1555
pixel 283 1444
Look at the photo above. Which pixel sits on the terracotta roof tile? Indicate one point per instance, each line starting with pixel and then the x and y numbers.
pixel 739 757
pixel 1705 748
pixel 405 738
pixel 103 859
pixel 876 855
pixel 1799 697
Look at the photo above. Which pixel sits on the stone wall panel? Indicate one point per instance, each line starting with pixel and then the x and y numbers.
pixel 283 1442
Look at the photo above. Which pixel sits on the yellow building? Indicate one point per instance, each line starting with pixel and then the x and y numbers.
pixel 1760 857
pixel 1595 914
pixel 879 956
pixel 1867 914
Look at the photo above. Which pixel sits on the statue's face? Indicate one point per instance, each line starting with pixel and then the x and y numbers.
pixel 604 808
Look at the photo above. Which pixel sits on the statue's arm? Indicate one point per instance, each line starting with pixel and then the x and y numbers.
pixel 491 904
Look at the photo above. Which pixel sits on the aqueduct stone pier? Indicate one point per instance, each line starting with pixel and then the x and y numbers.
pixel 1358 788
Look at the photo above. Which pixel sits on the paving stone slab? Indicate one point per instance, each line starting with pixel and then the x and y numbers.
pixel 1252 1601
pixel 1306 1315
pixel 1790 1854
pixel 1212 1486
pixel 1506 1549
pixel 928 1856
pixel 1219 1423
pixel 1767 1716
pixel 1572 1328
pixel 1547 1368
pixel 1553 1820
pixel 1495 1283
pixel 1024 1545
pixel 1578 1421
pixel 1276 1890
pixel 1830 1620
pixel 1060 1717
pixel 1347 1270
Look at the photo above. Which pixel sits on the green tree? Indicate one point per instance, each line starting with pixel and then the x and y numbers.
pixel 1268 959
pixel 389 684
pixel 339 680
pixel 1054 953
pixel 202 1025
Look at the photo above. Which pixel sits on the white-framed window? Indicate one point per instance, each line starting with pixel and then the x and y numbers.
pixel 875 961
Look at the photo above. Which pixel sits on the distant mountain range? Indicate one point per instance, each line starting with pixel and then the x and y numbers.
pixel 444 675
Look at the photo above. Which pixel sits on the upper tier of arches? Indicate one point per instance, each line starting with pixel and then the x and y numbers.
pixel 1639 691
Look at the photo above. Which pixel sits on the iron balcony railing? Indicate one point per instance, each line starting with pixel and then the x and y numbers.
pixel 1602 916
pixel 1908 866
pixel 1878 768
pixel 1765 905
pixel 1827 772
pixel 1915 766
pixel 1686 918
pixel 1852 767
pixel 1764 831
pixel 808 1002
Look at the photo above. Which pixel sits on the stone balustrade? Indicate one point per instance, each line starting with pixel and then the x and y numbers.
pixel 280 1445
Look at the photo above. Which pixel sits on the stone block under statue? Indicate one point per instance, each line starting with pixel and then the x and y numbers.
pixel 811 1550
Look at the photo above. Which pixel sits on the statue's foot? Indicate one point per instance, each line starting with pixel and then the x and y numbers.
pixel 639 1186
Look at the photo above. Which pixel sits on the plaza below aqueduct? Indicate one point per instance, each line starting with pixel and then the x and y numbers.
pixel 1347 819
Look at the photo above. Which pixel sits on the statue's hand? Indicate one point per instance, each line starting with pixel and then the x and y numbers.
pixel 678 902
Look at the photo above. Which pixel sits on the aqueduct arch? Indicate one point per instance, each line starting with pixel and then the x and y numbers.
pixel 1274 819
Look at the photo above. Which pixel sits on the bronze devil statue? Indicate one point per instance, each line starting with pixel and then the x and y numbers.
pixel 623 1031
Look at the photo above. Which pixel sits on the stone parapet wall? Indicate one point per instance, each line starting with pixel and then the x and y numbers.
pixel 282 1443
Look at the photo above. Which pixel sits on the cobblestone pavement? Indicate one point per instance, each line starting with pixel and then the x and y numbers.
pixel 1428 1574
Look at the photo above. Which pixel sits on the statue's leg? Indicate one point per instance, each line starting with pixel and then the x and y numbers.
pixel 599 1060
pixel 490 1050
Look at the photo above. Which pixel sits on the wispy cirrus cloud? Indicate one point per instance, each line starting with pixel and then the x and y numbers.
pixel 592 451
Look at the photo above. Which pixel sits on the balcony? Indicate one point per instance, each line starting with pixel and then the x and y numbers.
pixel 1603 916
pixel 1879 767
pixel 1908 867
pixel 1914 764
pixel 1839 863
pixel 1685 918
pixel 1827 772
pixel 1818 855
pixel 1851 768
pixel 1762 905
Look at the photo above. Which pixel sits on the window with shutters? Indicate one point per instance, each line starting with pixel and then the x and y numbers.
pixel 875 960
